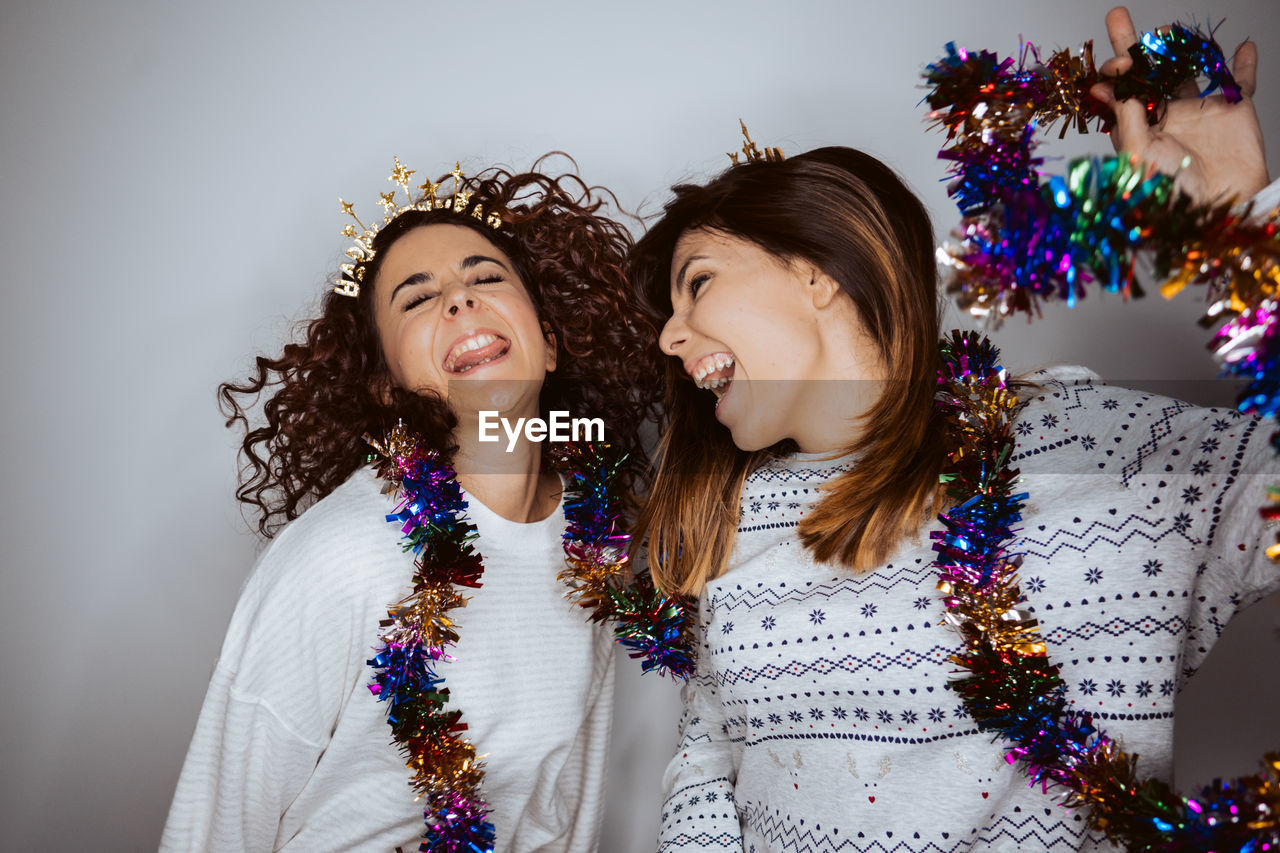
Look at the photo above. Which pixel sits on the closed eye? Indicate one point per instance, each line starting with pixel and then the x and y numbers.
pixel 427 296
pixel 696 283
pixel 424 296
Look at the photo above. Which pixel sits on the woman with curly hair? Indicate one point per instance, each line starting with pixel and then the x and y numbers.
pixel 505 298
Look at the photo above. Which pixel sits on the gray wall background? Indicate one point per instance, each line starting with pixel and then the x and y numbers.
pixel 170 174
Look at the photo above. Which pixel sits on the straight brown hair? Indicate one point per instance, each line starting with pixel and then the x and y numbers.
pixel 852 217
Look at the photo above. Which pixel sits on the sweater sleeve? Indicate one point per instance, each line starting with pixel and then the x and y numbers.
pixel 242 770
pixel 1233 570
pixel 1267 200
pixel 698 810
pixel 295 644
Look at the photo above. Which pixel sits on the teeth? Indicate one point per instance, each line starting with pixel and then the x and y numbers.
pixel 473 342
pixel 710 365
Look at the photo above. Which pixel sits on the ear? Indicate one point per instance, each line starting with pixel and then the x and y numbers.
pixel 822 289
pixel 381 387
pixel 550 339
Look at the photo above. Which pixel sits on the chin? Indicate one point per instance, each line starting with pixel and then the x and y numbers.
pixel 749 437
pixel 749 423
pixel 495 394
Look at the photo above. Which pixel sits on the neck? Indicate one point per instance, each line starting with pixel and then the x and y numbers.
pixel 834 416
pixel 508 482
pixel 850 377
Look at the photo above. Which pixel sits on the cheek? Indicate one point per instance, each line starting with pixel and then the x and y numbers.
pixel 523 320
pixel 412 352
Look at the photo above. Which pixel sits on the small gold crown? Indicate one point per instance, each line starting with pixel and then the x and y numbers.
pixel 361 250
pixel 752 153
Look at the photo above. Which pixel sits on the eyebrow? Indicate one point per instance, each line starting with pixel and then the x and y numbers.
pixel 684 268
pixel 423 277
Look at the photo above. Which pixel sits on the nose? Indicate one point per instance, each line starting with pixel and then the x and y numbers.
pixel 457 297
pixel 674 334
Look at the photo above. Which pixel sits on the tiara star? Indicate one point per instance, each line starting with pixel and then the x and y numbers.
pixel 401 175
pixel 752 152
pixel 361 250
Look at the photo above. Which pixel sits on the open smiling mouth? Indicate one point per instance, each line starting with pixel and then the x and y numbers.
pixel 715 374
pixel 473 351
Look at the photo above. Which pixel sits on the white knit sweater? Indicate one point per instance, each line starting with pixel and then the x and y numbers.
pixel 292 752
pixel 820 719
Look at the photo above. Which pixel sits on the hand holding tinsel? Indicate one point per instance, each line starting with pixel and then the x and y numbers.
pixel 1025 240
pixel 650 625
pixel 1010 686
pixel 983 100
pixel 1211 142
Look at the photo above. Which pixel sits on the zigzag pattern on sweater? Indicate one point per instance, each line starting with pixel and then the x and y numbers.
pixel 771 596
pixel 1161 428
pixel 1174 626
pixel 804 475
pixel 937 655
pixel 1028 545
pixel 1075 389
pixel 769 525
pixel 1029 832
pixel 700 841
pixel 689 741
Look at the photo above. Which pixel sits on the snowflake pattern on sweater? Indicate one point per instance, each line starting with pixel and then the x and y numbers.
pixel 819 718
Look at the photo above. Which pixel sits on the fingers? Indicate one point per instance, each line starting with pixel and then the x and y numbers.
pixel 1244 67
pixel 1120 30
pixel 1105 93
pixel 1116 66
pixel 1130 131
pixel 1187 90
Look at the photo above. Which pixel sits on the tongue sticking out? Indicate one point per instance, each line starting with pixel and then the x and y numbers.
pixel 476 357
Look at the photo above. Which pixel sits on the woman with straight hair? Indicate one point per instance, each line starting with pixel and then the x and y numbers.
pixel 801 470
pixel 498 300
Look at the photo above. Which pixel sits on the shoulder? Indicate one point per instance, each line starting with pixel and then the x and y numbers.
pixel 339 558
pixel 308 614
pixel 1074 422
pixel 347 523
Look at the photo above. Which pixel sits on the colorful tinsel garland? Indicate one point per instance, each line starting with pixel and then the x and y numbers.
pixel 649 624
pixel 1009 685
pixel 1025 239
pixel 432 516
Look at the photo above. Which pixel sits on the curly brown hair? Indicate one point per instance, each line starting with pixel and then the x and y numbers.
pixel 324 391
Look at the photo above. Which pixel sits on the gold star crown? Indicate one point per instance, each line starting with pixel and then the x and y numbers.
pixel 752 153
pixel 361 251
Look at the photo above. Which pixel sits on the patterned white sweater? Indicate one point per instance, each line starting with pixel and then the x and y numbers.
pixel 820 719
